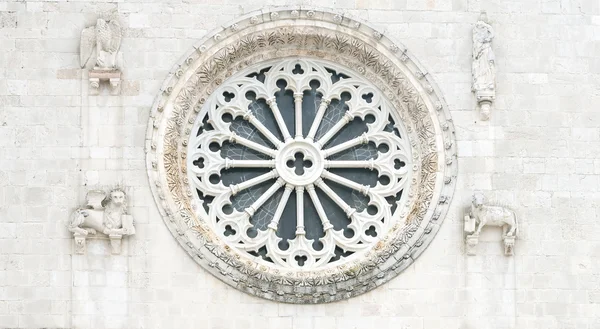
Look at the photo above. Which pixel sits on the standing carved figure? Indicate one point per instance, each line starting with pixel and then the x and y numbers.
pixel 104 215
pixel 105 38
pixel 483 66
pixel 481 215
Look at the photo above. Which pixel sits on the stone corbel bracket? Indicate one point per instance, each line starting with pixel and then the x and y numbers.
pixel 480 215
pixel 485 101
pixel 113 77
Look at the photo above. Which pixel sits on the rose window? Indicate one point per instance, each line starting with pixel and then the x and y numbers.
pixel 298 163
pixel 300 155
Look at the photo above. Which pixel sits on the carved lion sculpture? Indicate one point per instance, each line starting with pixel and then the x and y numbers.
pixel 492 216
pixel 104 214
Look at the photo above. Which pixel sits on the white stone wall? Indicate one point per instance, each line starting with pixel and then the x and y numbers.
pixel 539 154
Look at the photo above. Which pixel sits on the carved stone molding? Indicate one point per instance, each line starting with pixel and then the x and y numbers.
pixel 481 215
pixel 103 217
pixel 269 37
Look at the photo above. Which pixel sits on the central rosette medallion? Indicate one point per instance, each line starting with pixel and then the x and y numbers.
pixel 300 162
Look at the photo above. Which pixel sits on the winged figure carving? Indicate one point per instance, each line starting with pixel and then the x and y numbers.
pixel 103 215
pixel 105 39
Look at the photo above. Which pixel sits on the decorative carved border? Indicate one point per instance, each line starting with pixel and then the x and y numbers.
pixel 296 31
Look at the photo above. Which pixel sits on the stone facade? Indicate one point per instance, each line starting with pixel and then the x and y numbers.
pixel 537 155
pixel 402 95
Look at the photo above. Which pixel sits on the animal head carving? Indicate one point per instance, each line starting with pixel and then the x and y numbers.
pixel 116 197
pixel 478 199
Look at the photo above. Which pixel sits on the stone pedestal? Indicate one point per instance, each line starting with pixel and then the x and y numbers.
pixel 471 243
pixel 115 243
pixel 485 99
pixel 112 76
pixel 79 243
pixel 509 244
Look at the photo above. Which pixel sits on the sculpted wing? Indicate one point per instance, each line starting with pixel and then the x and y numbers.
pixel 115 37
pixel 87 45
pixel 95 198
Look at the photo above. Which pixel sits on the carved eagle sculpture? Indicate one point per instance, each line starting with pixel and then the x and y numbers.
pixel 105 39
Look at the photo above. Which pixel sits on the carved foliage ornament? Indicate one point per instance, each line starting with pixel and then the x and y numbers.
pixel 298 161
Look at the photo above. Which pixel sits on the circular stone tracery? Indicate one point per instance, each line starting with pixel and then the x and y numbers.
pixel 308 153
pixel 180 119
pixel 347 155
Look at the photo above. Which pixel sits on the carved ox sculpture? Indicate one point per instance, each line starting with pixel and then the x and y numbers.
pixel 481 215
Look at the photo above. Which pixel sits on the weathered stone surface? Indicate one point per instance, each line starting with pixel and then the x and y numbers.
pixel 538 155
pixel 8 19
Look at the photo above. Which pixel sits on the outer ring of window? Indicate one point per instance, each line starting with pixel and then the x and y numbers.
pixel 169 125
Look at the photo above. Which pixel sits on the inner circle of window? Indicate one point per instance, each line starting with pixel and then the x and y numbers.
pixel 299 163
